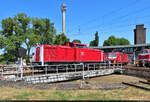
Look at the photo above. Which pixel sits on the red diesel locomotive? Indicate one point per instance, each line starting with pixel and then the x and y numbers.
pixel 144 57
pixel 117 57
pixel 70 53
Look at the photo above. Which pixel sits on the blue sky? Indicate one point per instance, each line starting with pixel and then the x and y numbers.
pixel 85 17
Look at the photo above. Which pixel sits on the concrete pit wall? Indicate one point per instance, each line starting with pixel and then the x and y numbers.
pixel 138 73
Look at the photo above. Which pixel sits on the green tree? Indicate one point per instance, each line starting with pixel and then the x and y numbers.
pixel 112 41
pixel 15 31
pixel 92 43
pixel 76 41
pixel 1 42
pixel 123 41
pixel 11 35
pixel 61 39
pixel 96 41
pixel 24 26
pixel 31 40
pixel 21 29
pixel 45 29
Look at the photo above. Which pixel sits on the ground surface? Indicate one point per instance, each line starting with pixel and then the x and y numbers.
pixel 130 93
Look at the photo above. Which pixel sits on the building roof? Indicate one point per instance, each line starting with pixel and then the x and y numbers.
pixel 121 46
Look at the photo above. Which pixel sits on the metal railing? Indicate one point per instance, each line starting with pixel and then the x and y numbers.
pixel 63 70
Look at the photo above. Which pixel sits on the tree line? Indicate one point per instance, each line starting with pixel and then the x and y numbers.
pixel 23 31
pixel 111 41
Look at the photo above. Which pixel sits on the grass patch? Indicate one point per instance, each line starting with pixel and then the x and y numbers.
pixel 79 95
pixel 41 92
pixel 117 94
pixel 61 95
pixel 24 96
pixel 7 99
pixel 130 93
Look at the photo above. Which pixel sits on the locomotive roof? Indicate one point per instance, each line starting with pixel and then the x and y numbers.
pixel 115 52
pixel 53 45
pixel 63 45
pixel 77 43
pixel 122 46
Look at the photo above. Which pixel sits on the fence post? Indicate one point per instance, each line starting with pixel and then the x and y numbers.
pixel 83 71
pixel 75 67
pixel 32 70
pixel 2 71
pixel 46 70
pixel 21 67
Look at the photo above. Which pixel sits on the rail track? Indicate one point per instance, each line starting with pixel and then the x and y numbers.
pixel 141 85
pixel 136 68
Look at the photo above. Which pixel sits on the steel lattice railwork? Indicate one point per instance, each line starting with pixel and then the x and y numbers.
pixel 54 73
pixel 76 71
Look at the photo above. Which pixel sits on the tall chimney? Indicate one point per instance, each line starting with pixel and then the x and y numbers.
pixel 63 9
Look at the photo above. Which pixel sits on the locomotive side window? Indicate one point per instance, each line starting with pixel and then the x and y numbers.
pixel 83 46
pixel 72 45
pixel 76 45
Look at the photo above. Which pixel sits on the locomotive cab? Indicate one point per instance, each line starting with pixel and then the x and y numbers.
pixel 76 45
pixel 112 57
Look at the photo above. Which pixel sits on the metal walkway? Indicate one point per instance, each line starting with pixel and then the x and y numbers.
pixel 67 76
pixel 55 73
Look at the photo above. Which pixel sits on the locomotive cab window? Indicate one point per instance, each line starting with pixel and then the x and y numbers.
pixel 80 46
pixel 145 52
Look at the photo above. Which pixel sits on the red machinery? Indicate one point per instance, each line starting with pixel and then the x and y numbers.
pixel 70 53
pixel 117 57
pixel 144 57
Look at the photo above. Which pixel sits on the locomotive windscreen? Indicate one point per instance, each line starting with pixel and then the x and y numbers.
pixel 144 51
pixel 112 55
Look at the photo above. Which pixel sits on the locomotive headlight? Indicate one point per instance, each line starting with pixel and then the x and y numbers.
pixel 82 53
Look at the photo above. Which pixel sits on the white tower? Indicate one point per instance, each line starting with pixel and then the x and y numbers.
pixel 63 9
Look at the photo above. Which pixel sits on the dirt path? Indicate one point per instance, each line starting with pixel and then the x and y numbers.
pixel 102 82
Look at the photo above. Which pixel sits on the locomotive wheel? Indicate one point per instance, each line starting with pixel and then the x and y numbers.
pixel 146 65
pixel 140 64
